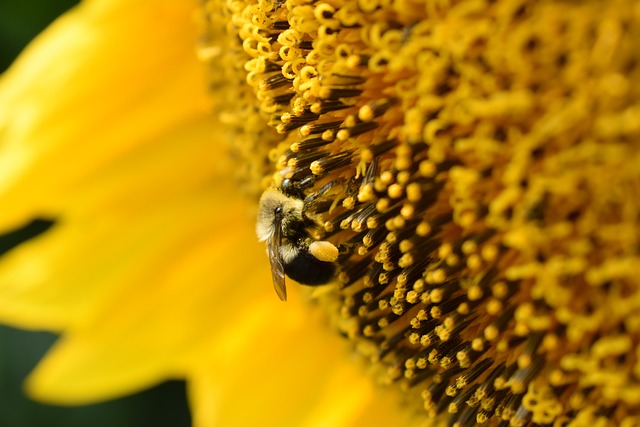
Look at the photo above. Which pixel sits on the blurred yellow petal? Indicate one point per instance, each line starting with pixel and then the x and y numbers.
pixel 169 304
pixel 296 378
pixel 104 80
pixel 44 286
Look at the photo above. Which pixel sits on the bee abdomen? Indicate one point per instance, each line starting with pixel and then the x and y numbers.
pixel 305 269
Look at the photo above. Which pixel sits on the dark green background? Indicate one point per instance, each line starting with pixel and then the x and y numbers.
pixel 165 405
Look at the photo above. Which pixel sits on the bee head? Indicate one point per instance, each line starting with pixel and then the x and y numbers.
pixel 278 211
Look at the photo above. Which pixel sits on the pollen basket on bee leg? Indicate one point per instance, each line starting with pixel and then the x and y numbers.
pixel 324 251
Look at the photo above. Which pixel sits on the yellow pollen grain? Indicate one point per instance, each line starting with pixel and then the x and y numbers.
pixel 349 203
pixel 368 331
pixel 499 290
pixel 366 193
pixel 521 330
pixel 414 338
pixel 475 293
pixel 403 178
pixel 421 363
pixel 366 157
pixel 452 260
pixel 474 262
pixel 342 135
pixel 517 387
pixel 467 219
pixel 357 225
pixel 407 211
pixel 427 169
pixel 469 247
pixel 413 297
pixel 437 276
pixel 423 229
pixel 365 113
pixel 445 250
pixel 464 308
pixel 463 359
pixel 414 192
pixel 550 342
pixel 406 245
pixel 403 163
pixel 524 361
pixel 451 391
pixel 502 345
pixel 398 222
pixel 494 307
pixel 491 332
pixel 382 205
pixel 425 341
pixel 419 285
pixel 477 344
pixel 445 362
pixel 395 191
pixel 449 322
pixel 328 135
pixel 489 253
pixel 316 168
pixel 482 417
pixel 387 177
pixel 390 225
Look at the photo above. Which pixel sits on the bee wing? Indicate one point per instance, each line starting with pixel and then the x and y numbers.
pixel 277 268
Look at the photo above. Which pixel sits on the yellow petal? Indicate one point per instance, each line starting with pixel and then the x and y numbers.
pixel 281 370
pixel 181 296
pixel 103 80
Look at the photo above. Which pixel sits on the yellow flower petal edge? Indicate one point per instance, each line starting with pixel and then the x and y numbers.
pixel 63 100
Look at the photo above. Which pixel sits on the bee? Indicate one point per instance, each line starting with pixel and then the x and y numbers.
pixel 283 223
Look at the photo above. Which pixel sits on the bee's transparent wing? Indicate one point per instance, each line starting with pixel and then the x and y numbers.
pixel 277 268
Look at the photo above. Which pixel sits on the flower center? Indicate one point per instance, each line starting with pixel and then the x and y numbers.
pixel 484 183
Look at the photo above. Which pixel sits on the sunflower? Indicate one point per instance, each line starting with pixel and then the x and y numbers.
pixel 151 270
pixel 476 163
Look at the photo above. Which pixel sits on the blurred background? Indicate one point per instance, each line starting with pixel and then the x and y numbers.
pixel 165 405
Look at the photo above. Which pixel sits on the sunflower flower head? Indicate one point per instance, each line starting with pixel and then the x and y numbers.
pixel 478 165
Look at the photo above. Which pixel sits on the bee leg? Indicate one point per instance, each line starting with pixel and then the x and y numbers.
pixel 346 249
pixel 296 188
pixel 324 251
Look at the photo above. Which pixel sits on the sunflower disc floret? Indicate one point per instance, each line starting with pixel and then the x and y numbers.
pixel 484 158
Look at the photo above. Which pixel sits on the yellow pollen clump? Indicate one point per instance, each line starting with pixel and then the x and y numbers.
pixel 483 160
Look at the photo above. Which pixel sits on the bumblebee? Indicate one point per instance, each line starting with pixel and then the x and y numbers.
pixel 284 224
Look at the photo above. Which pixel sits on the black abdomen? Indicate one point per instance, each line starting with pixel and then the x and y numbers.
pixel 308 270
